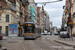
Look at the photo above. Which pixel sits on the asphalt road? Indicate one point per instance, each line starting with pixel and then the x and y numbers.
pixel 46 42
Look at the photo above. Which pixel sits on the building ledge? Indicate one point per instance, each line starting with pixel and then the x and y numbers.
pixel 7 9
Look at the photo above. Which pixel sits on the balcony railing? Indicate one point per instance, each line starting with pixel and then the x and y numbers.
pixel 12 6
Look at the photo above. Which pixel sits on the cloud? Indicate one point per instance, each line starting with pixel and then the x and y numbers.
pixel 52 9
pixel 41 0
pixel 57 21
pixel 55 11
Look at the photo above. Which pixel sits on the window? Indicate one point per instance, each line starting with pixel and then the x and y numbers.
pixel 6 30
pixel 7 18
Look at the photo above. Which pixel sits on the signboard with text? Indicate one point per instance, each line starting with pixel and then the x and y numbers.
pixel 13 30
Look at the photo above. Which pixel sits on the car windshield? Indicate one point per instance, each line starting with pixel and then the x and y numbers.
pixel 65 33
pixel 29 29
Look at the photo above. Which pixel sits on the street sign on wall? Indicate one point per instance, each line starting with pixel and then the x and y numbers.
pixel 12 30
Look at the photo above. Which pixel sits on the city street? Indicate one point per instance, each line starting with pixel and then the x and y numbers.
pixel 45 42
pixel 37 24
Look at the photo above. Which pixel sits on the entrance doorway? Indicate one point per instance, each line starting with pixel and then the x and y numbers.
pixel 6 30
pixel 0 29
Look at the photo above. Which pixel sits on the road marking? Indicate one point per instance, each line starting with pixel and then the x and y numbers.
pixel 37 45
pixel 24 45
pixel 67 47
pixel 64 47
pixel 58 47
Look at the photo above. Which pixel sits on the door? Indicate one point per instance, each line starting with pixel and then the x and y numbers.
pixel 6 30
pixel 0 29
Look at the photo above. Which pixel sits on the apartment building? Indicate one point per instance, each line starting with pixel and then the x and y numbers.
pixel 38 15
pixel 7 16
pixel 32 17
pixel 73 14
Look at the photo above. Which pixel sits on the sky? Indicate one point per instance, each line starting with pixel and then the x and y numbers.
pixel 55 11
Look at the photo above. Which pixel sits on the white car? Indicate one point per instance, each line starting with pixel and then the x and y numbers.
pixel 49 33
pixel 42 33
pixel 56 33
pixel 45 32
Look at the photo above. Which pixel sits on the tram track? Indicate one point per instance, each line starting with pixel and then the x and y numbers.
pixel 37 45
pixel 24 45
pixel 47 45
pixel 46 42
pixel 52 44
pixel 40 44
pixel 30 44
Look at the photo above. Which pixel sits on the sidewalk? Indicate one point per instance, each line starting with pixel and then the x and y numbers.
pixel 19 38
pixel 66 41
pixel 12 45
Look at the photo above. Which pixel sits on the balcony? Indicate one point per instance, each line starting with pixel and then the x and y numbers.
pixel 12 6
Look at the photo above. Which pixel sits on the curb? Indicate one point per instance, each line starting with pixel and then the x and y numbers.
pixel 19 38
pixel 67 44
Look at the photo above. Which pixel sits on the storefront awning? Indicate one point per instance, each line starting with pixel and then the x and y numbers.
pixel 71 23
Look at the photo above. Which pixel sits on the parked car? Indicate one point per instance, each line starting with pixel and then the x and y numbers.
pixel 64 34
pixel 45 32
pixel 42 33
pixel 1 37
pixel 56 33
pixel 49 33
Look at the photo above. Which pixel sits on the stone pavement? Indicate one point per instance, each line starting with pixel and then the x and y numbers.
pixel 12 45
pixel 65 41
